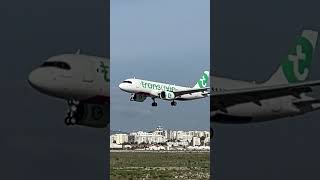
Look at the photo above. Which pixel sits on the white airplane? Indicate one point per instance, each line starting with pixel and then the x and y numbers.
pixel 141 89
pixel 285 94
pixel 82 80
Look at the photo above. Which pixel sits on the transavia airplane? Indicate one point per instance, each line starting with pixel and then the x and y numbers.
pixel 285 94
pixel 82 80
pixel 141 89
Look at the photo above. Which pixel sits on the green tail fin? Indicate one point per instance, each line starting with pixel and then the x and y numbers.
pixel 296 66
pixel 203 81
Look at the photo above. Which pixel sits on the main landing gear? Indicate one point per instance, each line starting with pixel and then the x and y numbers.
pixel 154 102
pixel 70 119
pixel 173 103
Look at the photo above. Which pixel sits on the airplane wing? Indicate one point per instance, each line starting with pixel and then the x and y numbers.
pixel 222 100
pixel 190 91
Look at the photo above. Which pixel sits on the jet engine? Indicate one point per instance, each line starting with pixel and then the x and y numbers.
pixel 138 97
pixel 92 115
pixel 167 95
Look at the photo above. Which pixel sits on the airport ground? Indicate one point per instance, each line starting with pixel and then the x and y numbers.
pixel 158 166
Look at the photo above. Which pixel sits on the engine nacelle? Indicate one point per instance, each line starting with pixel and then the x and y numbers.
pixel 167 95
pixel 138 97
pixel 92 115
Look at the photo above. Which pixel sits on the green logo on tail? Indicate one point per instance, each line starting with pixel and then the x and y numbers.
pixel 296 66
pixel 203 81
pixel 105 71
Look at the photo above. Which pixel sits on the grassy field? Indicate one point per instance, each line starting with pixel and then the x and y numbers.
pixel 158 166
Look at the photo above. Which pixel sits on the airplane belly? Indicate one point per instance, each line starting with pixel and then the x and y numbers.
pixel 269 110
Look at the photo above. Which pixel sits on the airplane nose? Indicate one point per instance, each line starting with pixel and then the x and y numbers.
pixel 32 79
pixel 37 79
pixel 121 86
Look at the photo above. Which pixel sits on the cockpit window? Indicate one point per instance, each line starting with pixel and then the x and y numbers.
pixel 57 64
pixel 127 82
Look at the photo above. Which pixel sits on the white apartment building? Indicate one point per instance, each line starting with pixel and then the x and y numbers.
pixel 184 136
pixel 147 137
pixel 187 135
pixel 196 141
pixel 119 138
pixel 160 135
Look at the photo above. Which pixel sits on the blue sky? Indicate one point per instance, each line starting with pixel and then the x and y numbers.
pixel 159 40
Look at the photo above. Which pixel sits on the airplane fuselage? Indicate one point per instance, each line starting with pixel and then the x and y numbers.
pixel 267 109
pixel 73 76
pixel 152 89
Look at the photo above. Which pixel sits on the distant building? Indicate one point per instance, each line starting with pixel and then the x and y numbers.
pixel 177 144
pixel 184 136
pixel 127 146
pixel 115 146
pixel 207 140
pixel 168 139
pixel 147 137
pixel 196 141
pixel 156 148
pixel 119 138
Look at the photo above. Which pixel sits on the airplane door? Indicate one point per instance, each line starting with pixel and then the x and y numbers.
pixel 89 72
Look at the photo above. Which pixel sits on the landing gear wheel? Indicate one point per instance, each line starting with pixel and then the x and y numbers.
pixel 69 102
pixel 75 102
pixel 73 121
pixel 67 121
pixel 154 102
pixel 173 103
pixel 132 97
pixel 71 118
pixel 73 108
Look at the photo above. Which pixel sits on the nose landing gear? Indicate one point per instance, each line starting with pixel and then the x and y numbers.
pixel 173 103
pixel 132 97
pixel 71 118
